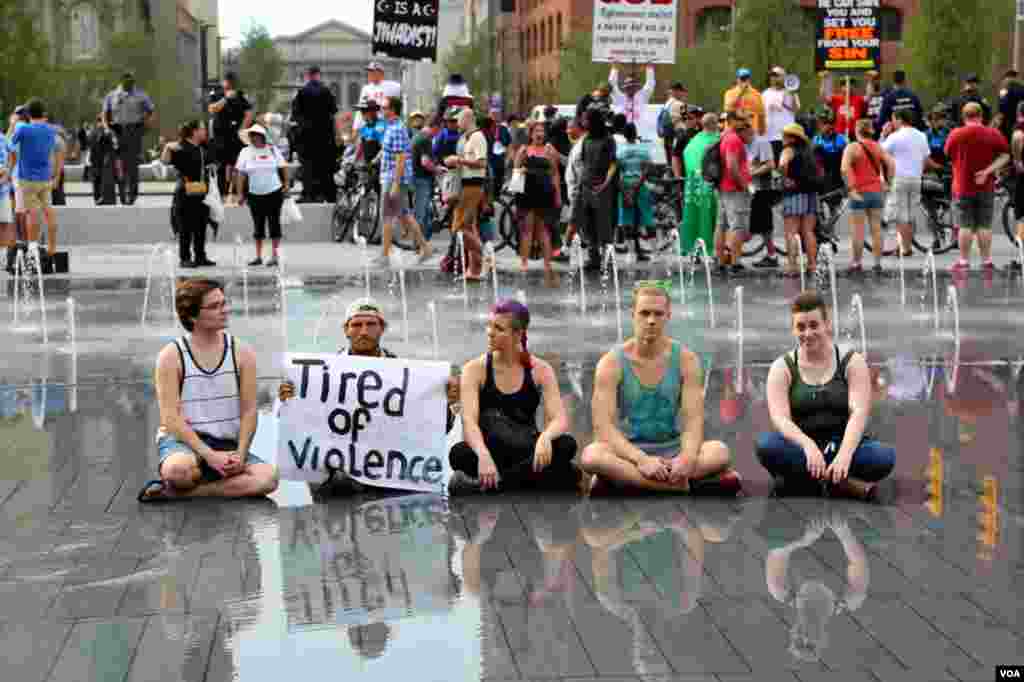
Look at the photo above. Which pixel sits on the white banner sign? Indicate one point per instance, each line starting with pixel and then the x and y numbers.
pixel 379 420
pixel 635 31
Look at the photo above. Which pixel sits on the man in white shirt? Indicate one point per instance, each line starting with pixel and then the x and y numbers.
pixel 376 89
pixel 909 148
pixel 780 106
pixel 632 100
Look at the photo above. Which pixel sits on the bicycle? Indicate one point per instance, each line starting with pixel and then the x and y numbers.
pixel 1006 189
pixel 358 208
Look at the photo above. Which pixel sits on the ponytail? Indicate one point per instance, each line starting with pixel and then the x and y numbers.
pixel 524 355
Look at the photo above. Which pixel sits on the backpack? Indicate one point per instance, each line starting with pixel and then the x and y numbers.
pixel 812 171
pixel 666 130
pixel 711 165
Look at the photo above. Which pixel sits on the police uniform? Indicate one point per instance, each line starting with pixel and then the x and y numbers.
pixel 313 111
pixel 128 110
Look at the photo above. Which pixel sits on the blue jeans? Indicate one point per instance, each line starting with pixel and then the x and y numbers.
pixel 423 205
pixel 872 461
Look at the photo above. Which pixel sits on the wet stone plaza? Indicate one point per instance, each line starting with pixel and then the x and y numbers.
pixel 926 584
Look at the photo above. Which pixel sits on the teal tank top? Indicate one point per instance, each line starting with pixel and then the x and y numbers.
pixel 649 415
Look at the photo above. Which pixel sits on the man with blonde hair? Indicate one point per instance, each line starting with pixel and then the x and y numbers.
pixel 644 391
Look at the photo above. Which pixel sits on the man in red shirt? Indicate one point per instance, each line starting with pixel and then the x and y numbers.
pixel 734 191
pixel 847 115
pixel 976 153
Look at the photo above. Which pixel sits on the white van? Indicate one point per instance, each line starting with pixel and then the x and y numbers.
pixel 648 131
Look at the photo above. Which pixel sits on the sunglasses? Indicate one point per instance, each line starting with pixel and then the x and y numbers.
pixel 663 284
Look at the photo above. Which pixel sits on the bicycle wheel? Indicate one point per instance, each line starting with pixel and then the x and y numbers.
pixel 939 215
pixel 1010 221
pixel 508 227
pixel 366 221
pixel 341 220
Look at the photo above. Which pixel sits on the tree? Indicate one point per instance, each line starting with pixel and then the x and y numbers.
pixel 24 54
pixel 261 67
pixel 947 38
pixel 776 33
pixel 472 60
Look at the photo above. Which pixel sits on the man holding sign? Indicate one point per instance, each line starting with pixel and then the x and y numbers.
pixel 207 416
pixel 365 324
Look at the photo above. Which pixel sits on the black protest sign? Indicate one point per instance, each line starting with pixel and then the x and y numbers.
pixel 406 29
pixel 847 36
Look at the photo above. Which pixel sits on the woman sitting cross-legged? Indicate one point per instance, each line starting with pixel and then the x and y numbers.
pixel 501 392
pixel 820 402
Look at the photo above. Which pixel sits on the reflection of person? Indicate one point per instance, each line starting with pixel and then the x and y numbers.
pixel 207 416
pixel 819 403
pixel 502 447
pixel 796 579
pixel 643 391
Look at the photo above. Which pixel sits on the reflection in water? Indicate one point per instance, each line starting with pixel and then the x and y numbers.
pixel 798 579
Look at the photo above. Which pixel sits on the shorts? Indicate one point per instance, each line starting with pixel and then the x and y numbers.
pixel 169 445
pixel 734 211
pixel 903 196
pixel 393 208
pixel 974 212
pixel 869 201
pixel 6 211
pixel 799 205
pixel 34 194
pixel 665 450
pixel 1018 199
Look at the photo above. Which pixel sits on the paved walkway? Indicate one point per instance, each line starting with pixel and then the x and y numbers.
pixel 328 258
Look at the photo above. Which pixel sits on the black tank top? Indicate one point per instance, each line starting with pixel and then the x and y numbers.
pixel 520 406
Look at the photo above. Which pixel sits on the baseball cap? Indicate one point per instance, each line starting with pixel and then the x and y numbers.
pixel 418 114
pixel 374 66
pixel 368 105
pixel 971 78
pixel 743 72
pixel 778 71
pixel 364 306
pixel 694 110
pixel 313 69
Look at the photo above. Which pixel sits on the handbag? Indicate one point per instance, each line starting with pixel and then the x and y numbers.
pixel 517 184
pixel 290 212
pixel 515 439
pixel 214 202
pixel 198 187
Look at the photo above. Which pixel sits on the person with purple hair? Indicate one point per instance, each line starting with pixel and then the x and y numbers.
pixel 644 390
pixel 501 392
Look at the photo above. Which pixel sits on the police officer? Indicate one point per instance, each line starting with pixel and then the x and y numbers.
pixel 1011 94
pixel 127 111
pixel 313 111
pixel 969 93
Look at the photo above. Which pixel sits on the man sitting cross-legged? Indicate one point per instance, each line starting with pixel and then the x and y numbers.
pixel 206 386
pixel 643 390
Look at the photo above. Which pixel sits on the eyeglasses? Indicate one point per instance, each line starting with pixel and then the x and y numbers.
pixel 215 306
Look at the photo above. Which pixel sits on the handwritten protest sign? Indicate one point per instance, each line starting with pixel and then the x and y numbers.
pixel 635 31
pixel 848 36
pixel 381 421
pixel 405 29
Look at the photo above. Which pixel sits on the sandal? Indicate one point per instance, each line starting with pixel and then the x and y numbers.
pixel 154 492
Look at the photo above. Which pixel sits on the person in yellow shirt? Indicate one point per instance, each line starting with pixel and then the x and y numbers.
pixel 745 97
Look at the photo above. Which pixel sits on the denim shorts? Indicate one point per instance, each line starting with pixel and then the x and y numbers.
pixel 869 200
pixel 169 445
pixel 799 205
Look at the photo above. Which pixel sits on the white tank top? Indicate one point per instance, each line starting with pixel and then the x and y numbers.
pixel 210 399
